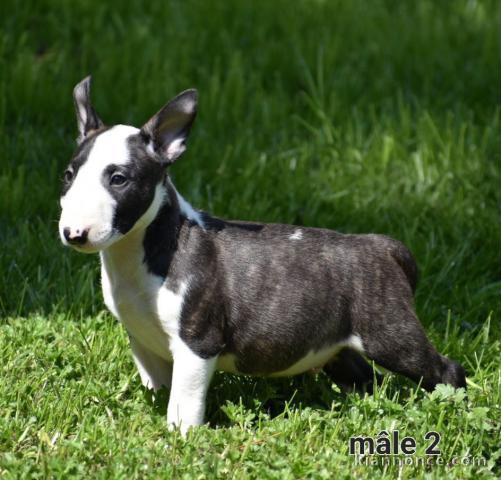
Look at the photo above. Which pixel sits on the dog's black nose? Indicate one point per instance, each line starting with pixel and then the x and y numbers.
pixel 77 238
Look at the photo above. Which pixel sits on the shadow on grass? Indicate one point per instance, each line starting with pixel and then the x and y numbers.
pixel 273 397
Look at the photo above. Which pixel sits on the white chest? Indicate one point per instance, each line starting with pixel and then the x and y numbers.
pixel 142 303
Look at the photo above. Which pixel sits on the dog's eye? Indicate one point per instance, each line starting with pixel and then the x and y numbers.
pixel 68 175
pixel 117 179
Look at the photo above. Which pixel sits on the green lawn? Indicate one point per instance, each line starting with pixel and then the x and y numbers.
pixel 380 116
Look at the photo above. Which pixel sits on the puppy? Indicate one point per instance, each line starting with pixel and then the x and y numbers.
pixel 197 293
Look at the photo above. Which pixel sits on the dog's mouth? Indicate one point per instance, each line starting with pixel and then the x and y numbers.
pixel 92 243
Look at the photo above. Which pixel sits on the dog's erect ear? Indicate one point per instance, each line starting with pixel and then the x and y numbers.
pixel 87 119
pixel 167 131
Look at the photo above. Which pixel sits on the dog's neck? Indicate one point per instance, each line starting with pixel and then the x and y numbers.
pixel 153 240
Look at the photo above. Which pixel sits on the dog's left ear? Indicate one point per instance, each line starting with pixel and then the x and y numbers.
pixel 87 119
pixel 167 131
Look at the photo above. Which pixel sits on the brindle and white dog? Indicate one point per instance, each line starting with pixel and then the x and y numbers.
pixel 197 293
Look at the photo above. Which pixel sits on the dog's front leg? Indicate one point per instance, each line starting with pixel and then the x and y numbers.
pixel 190 380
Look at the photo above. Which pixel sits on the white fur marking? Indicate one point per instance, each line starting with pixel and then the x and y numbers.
pixel 188 211
pixel 168 306
pixel 175 148
pixel 190 381
pixel 297 235
pixel 355 342
pixel 311 361
pixel 317 359
pixel 152 211
pixel 111 146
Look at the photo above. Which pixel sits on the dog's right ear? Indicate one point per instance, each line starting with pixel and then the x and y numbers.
pixel 87 119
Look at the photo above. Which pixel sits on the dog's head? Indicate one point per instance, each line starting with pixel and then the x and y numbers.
pixel 114 182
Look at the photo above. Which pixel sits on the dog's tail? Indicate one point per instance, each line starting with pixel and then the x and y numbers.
pixel 405 260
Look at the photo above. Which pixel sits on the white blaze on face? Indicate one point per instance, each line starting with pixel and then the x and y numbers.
pixel 88 204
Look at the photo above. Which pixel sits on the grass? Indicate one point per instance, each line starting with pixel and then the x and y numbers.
pixel 361 116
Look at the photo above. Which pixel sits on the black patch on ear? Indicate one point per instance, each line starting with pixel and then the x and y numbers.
pixel 168 129
pixel 134 198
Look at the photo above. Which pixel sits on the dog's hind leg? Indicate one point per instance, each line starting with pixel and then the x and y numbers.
pixel 350 371
pixel 397 342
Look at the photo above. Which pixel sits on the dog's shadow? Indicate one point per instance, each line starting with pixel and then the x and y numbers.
pixel 269 396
